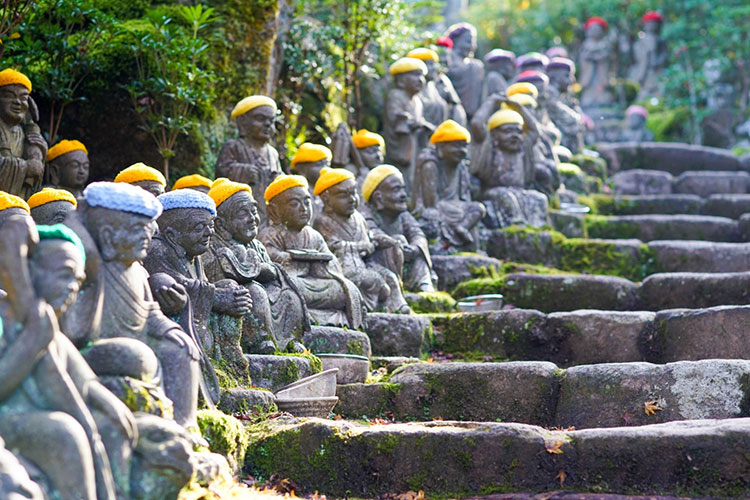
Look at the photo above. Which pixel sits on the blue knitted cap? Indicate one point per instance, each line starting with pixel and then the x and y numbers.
pixel 123 197
pixel 187 198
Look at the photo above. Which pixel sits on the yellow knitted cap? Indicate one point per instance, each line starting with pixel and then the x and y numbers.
pixel 252 102
pixel 48 195
pixel 569 169
pixel 189 181
pixel 10 76
pixel 282 183
pixel 65 146
pixel 522 100
pixel 523 88
pixel 223 188
pixel 310 152
pixel 406 64
pixel 562 151
pixel 8 200
pixel 450 131
pixel 330 177
pixel 364 138
pixel 503 117
pixel 424 54
pixel 138 172
pixel 376 176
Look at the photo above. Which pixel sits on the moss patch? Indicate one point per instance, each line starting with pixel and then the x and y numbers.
pixel 432 302
pixel 225 435
pixel 315 365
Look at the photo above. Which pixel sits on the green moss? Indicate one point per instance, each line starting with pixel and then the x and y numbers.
pixel 433 302
pixel 355 346
pixel 315 365
pixel 493 280
pixel 225 435
pixel 599 226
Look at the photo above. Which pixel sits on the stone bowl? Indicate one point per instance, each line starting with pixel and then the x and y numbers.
pixel 353 368
pixel 321 384
pixel 481 303
pixel 320 407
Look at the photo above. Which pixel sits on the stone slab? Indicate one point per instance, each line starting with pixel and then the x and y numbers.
pixel 332 339
pixel 705 458
pixel 397 334
pixel 668 156
pixel 694 290
pixel 700 256
pixel 727 205
pixel 616 394
pixel 705 184
pixel 640 182
pixel 246 401
pixel 571 225
pixel 274 372
pixel 653 204
pixel 663 227
pixel 453 269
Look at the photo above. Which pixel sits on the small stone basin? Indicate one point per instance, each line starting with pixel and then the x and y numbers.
pixel 308 407
pixel 481 303
pixel 321 384
pixel 353 368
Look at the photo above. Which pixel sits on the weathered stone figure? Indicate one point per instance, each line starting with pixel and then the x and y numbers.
pixel 441 195
pixel 444 85
pixel 365 150
pixel 395 232
pixel 51 206
pixel 435 107
pixel 563 107
pixel 595 63
pixel 466 72
pixel 404 115
pixel 22 147
pixel 500 68
pixel 115 223
pixel 309 160
pixel 635 125
pixel 346 233
pixel 15 483
pixel 141 175
pixel 68 166
pixel 194 181
pixel 250 159
pixel 236 254
pixel 532 61
pixel 291 242
pixel 650 55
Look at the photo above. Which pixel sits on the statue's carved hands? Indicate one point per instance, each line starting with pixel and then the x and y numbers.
pixel 232 299
pixel 410 251
pixel 36 139
pixel 99 397
pixel 171 298
pixel 34 169
pixel 253 174
pixel 384 241
pixel 366 248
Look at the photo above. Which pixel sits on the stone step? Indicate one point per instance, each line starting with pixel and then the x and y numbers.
pixel 694 290
pixel 699 256
pixel 397 334
pixel 671 157
pixel 663 227
pixel 272 372
pixel 453 269
pixel 698 183
pixel 706 458
pixel 539 393
pixel 719 205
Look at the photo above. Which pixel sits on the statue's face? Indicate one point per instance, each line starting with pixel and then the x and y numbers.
pixel 635 121
pixel 14 103
pixel 561 79
pixel 53 212
pixel 194 231
pixel 293 208
pixel 311 170
pixel 257 123
pixel 453 152
pixel 152 187
pixel 464 44
pixel 242 219
pixel 507 68
pixel 390 196
pixel 412 82
pixel 652 27
pixel 72 170
pixel 125 237
pixel 11 212
pixel 508 137
pixel 372 156
pixel 595 32
pixel 57 272
pixel 341 199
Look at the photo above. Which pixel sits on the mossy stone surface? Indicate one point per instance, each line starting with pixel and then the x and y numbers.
pixel 225 435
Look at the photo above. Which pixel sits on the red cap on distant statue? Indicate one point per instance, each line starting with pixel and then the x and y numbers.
pixel 596 20
pixel 653 16
pixel 445 41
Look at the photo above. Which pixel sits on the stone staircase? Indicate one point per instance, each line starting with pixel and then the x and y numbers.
pixel 624 365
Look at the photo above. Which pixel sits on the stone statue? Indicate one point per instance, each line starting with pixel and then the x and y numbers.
pixel 465 72
pixel 500 67
pixel 532 61
pixel 291 242
pixel 236 254
pixel 68 166
pixel 404 122
pixel 635 125
pixel 562 106
pixel 395 232
pixel 441 195
pixel 436 109
pixel 141 175
pixel 718 127
pixel 444 85
pixel 15 483
pixel 116 313
pixel 51 206
pixel 49 397
pixel 346 233
pixel 650 56
pixel 194 181
pixel 22 147
pixel 557 51
pixel 595 63
pixel 309 160
pixel 250 159
pixel 358 153
pixel 506 167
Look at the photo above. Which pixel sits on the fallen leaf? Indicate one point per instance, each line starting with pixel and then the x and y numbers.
pixel 561 476
pixel 554 447
pixel 430 360
pixel 650 407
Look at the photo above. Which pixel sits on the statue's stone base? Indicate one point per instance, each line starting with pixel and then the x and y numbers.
pixel 397 334
pixel 274 372
pixel 332 339
pixel 242 401
pixel 453 269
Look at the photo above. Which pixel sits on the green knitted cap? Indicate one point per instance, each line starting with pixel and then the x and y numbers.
pixel 61 232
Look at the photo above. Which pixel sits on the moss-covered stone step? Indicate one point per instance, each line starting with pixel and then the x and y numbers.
pixel 273 372
pixel 641 181
pixel 727 205
pixel 707 183
pixel 694 290
pixel 453 269
pixel 699 256
pixel 646 204
pixel 672 157
pixel 705 458
pixel 332 339
pixel 662 227
pixel 397 334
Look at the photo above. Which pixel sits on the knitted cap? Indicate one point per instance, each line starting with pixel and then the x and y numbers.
pixel 499 54
pixel 562 152
pixel 8 200
pixel 187 198
pixel 250 103
pixel 532 76
pixel 522 100
pixel 503 117
pixel 459 29
pixel 282 183
pixel 636 110
pixel 556 52
pixel 522 88
pixel 330 177
pixel 596 20
pixel 65 146
pixel 653 16
pixel 423 54
pixel 190 181
pixel 222 189
pixel 364 138
pixel 445 41
pixel 123 197
pixel 450 131
pixel 531 58
pixel 406 64
pixel 138 172
pixel 376 176
pixel 309 152
pixel 62 232
pixel 10 76
pixel 48 195
pixel 562 63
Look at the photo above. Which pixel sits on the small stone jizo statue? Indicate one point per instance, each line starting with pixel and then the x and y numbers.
pixel 68 166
